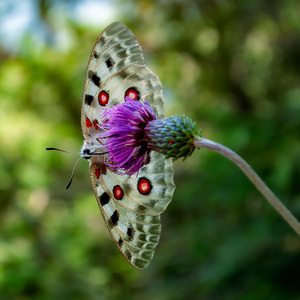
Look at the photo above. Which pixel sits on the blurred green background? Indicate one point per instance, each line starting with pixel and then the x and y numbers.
pixel 232 66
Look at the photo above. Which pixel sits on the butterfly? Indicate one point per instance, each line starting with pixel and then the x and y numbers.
pixel 130 205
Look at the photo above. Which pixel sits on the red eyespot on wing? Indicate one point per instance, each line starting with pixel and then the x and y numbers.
pixel 144 186
pixel 132 93
pixel 118 192
pixel 88 123
pixel 103 98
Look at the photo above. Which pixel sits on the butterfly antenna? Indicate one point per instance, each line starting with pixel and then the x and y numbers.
pixel 68 185
pixel 56 149
pixel 85 154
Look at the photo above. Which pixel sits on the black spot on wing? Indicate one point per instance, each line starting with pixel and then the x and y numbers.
pixel 130 232
pixel 114 218
pixel 104 199
pixel 96 55
pixel 88 99
pixel 94 78
pixel 109 62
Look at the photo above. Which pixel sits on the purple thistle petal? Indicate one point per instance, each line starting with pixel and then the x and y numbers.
pixel 123 135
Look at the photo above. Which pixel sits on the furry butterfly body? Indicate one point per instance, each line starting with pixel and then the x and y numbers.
pixel 130 205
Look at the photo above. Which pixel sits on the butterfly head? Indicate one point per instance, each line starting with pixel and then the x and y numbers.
pixel 86 153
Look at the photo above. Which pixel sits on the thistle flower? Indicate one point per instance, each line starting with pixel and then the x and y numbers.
pixel 132 131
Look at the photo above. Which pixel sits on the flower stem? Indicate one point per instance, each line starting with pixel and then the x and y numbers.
pixel 251 174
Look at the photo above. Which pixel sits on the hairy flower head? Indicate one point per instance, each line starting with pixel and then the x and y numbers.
pixel 124 135
pixel 132 131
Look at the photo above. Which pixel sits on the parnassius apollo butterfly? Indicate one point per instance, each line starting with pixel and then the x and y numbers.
pixel 130 205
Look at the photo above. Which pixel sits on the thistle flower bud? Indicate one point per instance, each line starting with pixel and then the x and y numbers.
pixel 172 136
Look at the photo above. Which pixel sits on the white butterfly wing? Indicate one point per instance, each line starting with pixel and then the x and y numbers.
pixel 130 206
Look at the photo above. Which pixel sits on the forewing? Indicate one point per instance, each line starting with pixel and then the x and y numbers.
pixel 116 66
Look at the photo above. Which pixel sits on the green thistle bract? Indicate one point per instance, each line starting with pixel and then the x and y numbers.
pixel 172 136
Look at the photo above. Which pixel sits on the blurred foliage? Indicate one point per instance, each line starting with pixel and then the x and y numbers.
pixel 232 66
